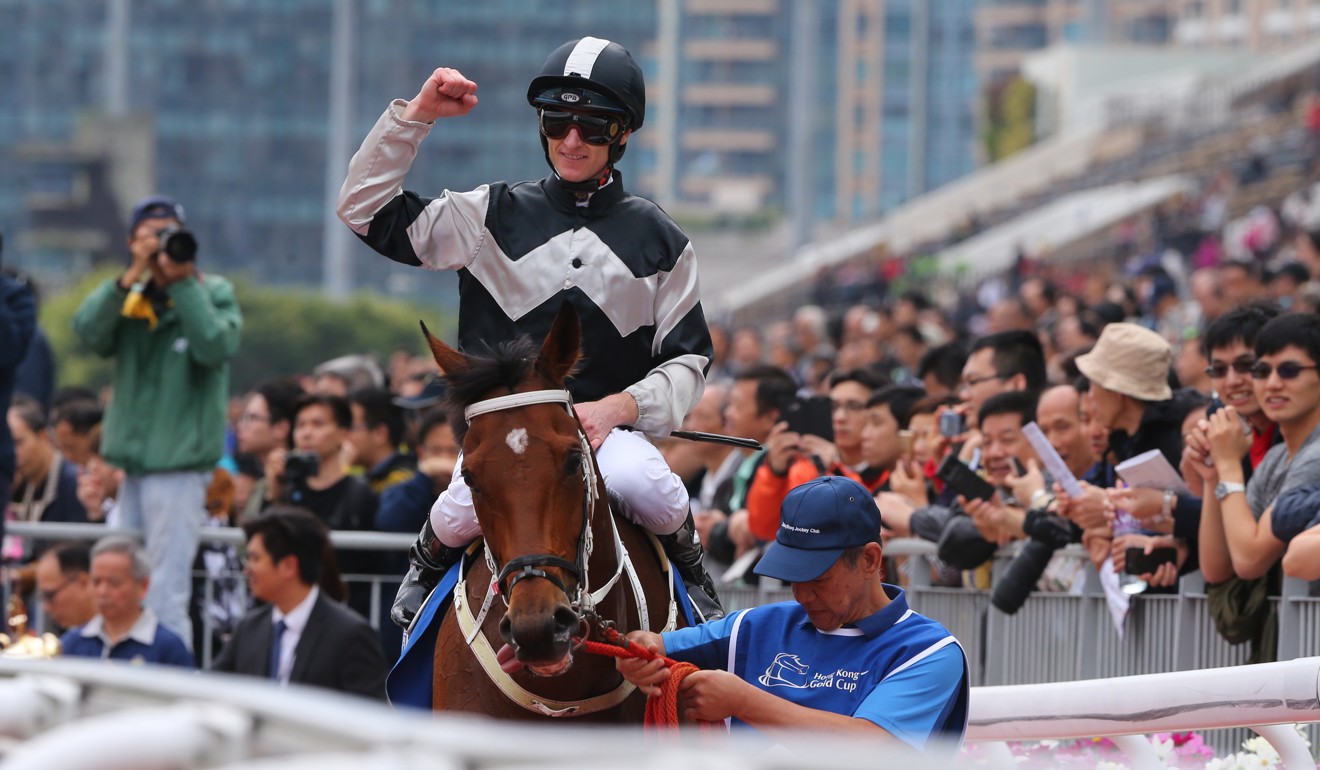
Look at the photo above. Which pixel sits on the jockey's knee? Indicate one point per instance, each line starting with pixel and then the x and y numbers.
pixel 655 495
pixel 453 517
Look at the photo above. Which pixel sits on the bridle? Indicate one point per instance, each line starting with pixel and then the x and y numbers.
pixel 581 600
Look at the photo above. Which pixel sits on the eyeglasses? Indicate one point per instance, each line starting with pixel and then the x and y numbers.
pixel 250 417
pixel 1219 370
pixel 49 596
pixel 851 407
pixel 1288 370
pixel 971 382
pixel 594 129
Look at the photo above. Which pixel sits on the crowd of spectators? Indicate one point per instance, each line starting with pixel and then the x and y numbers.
pixel 1201 346
pixel 1193 342
pixel 166 450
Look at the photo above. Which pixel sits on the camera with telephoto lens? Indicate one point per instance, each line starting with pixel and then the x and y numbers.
pixel 177 243
pixel 1047 533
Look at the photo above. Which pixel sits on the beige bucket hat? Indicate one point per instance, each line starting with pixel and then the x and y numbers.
pixel 1131 360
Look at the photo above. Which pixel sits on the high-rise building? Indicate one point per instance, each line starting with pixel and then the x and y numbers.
pixel 234 98
pixel 1254 25
pixel 1007 30
pixel 830 110
pixel 826 111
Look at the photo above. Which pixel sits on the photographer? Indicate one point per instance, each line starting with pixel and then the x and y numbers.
pixel 313 477
pixel 1059 415
pixel 172 332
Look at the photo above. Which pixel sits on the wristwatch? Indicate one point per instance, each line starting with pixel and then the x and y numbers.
pixel 1225 488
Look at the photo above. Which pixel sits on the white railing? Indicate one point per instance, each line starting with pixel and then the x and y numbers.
pixel 94 716
pixel 1127 709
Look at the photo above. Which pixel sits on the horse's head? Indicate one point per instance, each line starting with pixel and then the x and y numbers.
pixel 533 482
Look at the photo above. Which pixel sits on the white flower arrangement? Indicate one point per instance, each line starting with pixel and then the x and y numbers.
pixel 1176 751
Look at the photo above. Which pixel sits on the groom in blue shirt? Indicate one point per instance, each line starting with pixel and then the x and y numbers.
pixel 848 655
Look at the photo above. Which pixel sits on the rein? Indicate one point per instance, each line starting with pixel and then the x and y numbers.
pixel 661 710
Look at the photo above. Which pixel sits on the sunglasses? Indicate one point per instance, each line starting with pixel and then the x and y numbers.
pixel 594 129
pixel 1288 370
pixel 1219 369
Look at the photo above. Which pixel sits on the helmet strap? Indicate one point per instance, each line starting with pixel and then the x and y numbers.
pixel 588 185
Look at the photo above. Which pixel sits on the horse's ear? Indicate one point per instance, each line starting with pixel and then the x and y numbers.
pixel 450 360
pixel 562 347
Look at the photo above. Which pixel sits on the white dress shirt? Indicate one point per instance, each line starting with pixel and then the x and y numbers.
pixel 294 623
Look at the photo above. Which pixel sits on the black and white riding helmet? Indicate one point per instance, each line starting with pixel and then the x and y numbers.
pixel 592 74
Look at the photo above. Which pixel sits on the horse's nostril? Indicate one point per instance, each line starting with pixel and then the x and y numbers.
pixel 566 620
pixel 506 630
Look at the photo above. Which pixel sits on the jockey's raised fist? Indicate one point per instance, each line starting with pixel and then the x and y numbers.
pixel 445 94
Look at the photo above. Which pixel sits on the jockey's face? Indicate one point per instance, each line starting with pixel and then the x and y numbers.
pixel 575 159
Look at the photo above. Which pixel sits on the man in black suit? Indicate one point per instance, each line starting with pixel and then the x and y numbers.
pixel 300 636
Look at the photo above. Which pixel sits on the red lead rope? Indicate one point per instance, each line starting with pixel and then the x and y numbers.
pixel 661 710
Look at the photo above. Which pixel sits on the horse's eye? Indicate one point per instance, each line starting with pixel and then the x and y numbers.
pixel 468 480
pixel 572 463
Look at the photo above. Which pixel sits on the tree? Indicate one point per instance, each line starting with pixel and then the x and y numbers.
pixel 285 331
pixel 1011 123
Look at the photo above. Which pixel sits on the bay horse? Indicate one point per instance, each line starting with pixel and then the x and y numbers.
pixel 556 561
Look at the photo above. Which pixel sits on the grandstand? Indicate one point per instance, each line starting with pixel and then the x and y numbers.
pixel 1181 140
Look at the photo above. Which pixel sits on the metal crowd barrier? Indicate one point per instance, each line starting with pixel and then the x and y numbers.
pixel 382 587
pixel 1063 637
pixel 1054 637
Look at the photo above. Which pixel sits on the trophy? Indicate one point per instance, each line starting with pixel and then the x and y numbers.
pixel 24 644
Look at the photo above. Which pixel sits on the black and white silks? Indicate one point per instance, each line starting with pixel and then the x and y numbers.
pixel 522 249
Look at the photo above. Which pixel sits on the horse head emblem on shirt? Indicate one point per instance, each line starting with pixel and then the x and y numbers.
pixel 785 671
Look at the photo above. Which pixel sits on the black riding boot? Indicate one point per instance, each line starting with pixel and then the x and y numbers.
pixel 429 559
pixel 684 549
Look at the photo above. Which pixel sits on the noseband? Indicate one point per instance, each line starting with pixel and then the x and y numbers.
pixel 531 565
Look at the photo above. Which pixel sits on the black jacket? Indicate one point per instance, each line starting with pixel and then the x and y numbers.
pixel 1161 428
pixel 337 651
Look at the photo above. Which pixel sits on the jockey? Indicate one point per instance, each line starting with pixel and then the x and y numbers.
pixel 522 250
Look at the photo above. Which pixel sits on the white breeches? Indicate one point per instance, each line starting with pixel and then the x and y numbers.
pixel 633 469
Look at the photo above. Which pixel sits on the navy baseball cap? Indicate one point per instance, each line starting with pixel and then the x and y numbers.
pixel 432 393
pixel 154 207
pixel 818 522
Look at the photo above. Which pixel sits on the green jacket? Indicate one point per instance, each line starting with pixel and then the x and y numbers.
pixel 171 384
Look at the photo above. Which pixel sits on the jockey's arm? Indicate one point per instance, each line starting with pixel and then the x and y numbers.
pixel 655 406
pixel 600 417
pixel 681 351
pixel 667 393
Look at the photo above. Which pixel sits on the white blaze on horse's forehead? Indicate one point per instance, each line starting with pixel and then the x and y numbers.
pixel 517 440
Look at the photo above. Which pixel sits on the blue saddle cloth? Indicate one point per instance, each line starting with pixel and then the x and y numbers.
pixel 409 682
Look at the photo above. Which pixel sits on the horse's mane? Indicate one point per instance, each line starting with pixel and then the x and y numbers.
pixel 503 367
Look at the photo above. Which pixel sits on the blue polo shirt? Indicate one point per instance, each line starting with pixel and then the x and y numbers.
pixel 897 669
pixel 146 642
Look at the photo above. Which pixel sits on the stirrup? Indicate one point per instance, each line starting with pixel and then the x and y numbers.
pixel 428 560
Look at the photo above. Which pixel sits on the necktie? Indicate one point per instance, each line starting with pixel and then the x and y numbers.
pixel 276 639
